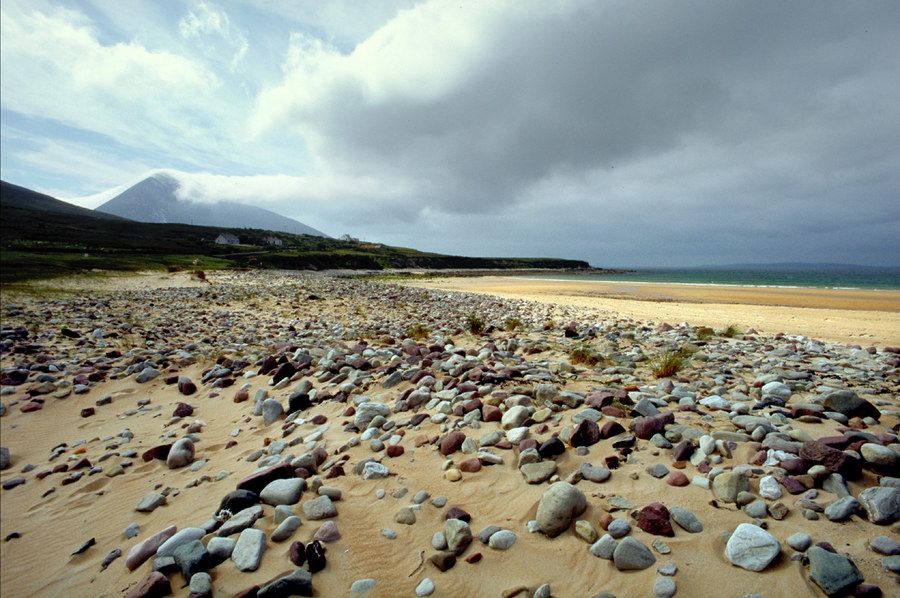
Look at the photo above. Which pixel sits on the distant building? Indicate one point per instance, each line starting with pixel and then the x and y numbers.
pixel 227 239
pixel 273 241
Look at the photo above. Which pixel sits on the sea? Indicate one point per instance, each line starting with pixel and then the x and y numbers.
pixel 784 277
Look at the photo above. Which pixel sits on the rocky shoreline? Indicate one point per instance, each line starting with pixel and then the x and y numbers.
pixel 463 435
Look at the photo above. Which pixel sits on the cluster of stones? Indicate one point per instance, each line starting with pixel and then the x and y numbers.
pixel 500 398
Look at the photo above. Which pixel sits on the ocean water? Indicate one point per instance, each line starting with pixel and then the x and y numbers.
pixel 827 278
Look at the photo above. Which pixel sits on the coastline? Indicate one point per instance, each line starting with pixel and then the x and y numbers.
pixel 852 316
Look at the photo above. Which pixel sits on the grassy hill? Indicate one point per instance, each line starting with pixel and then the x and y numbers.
pixel 43 237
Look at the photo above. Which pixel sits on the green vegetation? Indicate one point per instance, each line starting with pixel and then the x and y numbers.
pixel 44 243
pixel 667 364
pixel 730 331
pixel 474 324
pixel 585 354
pixel 705 333
pixel 417 331
pixel 512 323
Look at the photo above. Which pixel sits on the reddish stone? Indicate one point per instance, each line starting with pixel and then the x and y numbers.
pixel 759 458
pixel 604 520
pixel 807 480
pixel 297 553
pixel 677 478
pixel 417 419
pixel 457 513
pixel 654 519
pixel 473 558
pixel 81 464
pixel 587 433
pixel 528 443
pixel 646 427
pixel 792 485
pixel 87 412
pixel 319 419
pixel 241 395
pixel 186 386
pixel 334 472
pixel 32 406
pixel 679 464
pixel 470 465
pixel 452 442
pixel 611 411
pixel 504 445
pixel 394 450
pixel 801 411
pixel 472 405
pixel 60 468
pixel 157 452
pixel 489 413
pixel 320 454
pixel 420 440
pixel 612 462
pixel 815 453
pixel 154 585
pixel 611 429
pixel 793 466
pixel 182 410
pixel 683 450
pixel 551 447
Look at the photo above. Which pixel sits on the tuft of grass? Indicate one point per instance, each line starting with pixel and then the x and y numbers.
pixel 705 333
pixel 512 323
pixel 583 353
pixel 667 364
pixel 474 324
pixel 417 331
pixel 731 331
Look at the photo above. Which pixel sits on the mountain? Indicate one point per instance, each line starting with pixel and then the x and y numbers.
pixel 15 197
pixel 155 199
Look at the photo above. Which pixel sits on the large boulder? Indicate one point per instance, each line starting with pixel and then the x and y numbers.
pixel 561 503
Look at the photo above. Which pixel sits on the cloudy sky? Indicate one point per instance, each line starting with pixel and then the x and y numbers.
pixel 622 132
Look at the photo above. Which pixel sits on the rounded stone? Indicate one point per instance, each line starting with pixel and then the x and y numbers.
pixel 181 454
pixel 560 504
pixel 664 587
pixel 425 588
pixel 502 540
pixel 751 547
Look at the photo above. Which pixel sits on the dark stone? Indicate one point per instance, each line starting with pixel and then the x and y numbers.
pixel 793 466
pixel 285 370
pixel 646 427
pixel 683 450
pixel 417 419
pixel 587 433
pixel 611 429
pixel 394 450
pixel 157 452
pixel 154 585
pixel 451 442
pixel 315 556
pixel 183 410
pixel 87 412
pixel 473 558
pixel 298 583
pixel 489 413
pixel 612 462
pixel 848 403
pixel 192 558
pixel 792 485
pixel 297 553
pixel 259 480
pixel 834 573
pixel 443 560
pixel 457 513
pixel 654 519
pixel 238 500
pixel 298 402
pixel 551 447
pixel 186 386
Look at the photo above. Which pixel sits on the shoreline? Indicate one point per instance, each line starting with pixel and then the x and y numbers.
pixel 863 317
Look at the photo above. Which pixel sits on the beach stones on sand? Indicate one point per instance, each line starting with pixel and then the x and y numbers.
pixel 560 504
pixel 632 555
pixel 181 453
pixel 751 547
pixel 834 573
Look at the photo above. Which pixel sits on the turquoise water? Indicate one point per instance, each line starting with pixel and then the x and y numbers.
pixel 830 278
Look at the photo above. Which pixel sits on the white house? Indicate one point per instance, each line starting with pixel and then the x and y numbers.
pixel 227 239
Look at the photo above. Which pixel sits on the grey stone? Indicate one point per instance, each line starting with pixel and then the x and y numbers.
pixel 282 512
pixel 147 374
pixel 286 528
pixel 485 534
pixel 757 509
pixel 366 412
pixel 834 573
pixel 406 516
pixel 439 541
pixel 686 520
pixel 240 521
pixel 535 473
pixel 248 549
pixel 181 453
pixel 559 505
pixel 361 586
pixel 283 492
pixel 604 547
pixel 188 534
pixel 319 508
pixel 201 584
pixel 882 504
pixel 5 459
pixel 220 549
pixel 729 484
pixel 664 587
pixel 150 501
pixel 594 473
pixel 751 547
pixel 192 558
pixel 631 555
pixel 618 528
pixel 885 545
pixel 658 470
pixel 502 540
pixel 879 455
pixel 799 541
pixel 842 508
pixel 271 410
pixel 891 563
pixel 132 530
pixel 374 471
pixel 458 534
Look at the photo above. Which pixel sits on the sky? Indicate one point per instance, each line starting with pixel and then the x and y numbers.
pixel 627 133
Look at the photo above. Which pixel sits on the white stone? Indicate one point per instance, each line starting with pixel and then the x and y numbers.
pixel 769 488
pixel 751 547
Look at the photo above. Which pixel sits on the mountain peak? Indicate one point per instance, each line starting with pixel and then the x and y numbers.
pixel 155 199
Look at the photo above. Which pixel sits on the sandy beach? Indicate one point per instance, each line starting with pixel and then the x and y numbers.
pixel 854 316
pixel 76 396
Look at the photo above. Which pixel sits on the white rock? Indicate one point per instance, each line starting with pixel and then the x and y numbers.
pixel 751 547
pixel 769 488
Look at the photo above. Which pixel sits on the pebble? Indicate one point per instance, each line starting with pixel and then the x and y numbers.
pixel 664 587
pixel 632 555
pixel 249 549
pixel 425 587
pixel 834 573
pixel 286 528
pixel 319 508
pixel 361 586
pixel 502 540
pixel 559 505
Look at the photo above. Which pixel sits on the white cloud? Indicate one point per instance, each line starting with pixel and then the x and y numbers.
pixel 211 25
